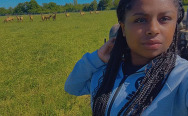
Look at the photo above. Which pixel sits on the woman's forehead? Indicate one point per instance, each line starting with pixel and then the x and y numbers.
pixel 154 6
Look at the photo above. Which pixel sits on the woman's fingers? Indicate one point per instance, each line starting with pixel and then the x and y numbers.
pixel 112 42
pixel 105 50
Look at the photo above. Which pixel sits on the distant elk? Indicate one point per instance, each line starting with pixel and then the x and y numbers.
pixel 91 12
pixel 67 14
pixel 82 13
pixel 47 17
pixel 54 17
pixel 31 17
pixel 42 17
pixel 97 12
pixel 9 19
pixel 19 18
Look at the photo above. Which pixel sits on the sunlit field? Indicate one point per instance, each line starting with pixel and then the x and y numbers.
pixel 37 56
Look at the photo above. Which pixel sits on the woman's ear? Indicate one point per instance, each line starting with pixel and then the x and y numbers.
pixel 123 28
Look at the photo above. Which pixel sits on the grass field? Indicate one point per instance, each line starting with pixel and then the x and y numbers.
pixel 37 57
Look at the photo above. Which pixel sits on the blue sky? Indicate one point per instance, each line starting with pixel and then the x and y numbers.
pixel 13 3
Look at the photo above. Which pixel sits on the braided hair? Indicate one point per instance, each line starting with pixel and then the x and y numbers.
pixel 154 79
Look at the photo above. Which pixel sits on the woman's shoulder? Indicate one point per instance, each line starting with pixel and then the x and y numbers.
pixel 179 73
pixel 182 75
pixel 97 77
pixel 181 64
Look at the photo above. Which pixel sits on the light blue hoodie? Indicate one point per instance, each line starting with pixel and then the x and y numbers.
pixel 172 100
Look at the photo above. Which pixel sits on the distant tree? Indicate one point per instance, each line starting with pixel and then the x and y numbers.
pixel 68 7
pixel 75 2
pixel 105 4
pixel 20 9
pixel 45 7
pixel 185 2
pixel 34 7
pixel 101 5
pixel 78 7
pixel 3 11
pixel 86 7
pixel 93 5
pixel 10 10
pixel 52 7
pixel 116 2
pixel 26 5
pixel 61 9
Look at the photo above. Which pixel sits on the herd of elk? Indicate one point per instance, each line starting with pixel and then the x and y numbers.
pixel 19 18
pixel 91 12
pixel 96 12
pixel 48 17
pixel 44 17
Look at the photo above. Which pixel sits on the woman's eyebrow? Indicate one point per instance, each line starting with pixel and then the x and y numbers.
pixel 142 14
pixel 145 14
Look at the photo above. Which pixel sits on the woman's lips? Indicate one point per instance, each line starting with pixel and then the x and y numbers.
pixel 152 45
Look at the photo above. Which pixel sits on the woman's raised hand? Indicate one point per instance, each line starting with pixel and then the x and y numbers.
pixel 104 51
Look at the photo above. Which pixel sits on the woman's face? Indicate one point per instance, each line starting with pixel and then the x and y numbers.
pixel 149 28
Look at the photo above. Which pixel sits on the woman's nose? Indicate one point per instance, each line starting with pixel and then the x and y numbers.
pixel 153 28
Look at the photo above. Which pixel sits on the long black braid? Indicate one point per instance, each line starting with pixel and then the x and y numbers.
pixel 154 79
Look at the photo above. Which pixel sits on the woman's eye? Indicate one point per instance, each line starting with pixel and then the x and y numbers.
pixel 140 20
pixel 164 19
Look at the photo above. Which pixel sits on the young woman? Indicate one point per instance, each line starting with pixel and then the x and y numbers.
pixel 142 74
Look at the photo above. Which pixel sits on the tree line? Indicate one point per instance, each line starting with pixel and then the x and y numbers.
pixel 33 7
pixel 185 2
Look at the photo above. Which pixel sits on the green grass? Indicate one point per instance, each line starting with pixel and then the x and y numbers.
pixel 185 7
pixel 37 57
